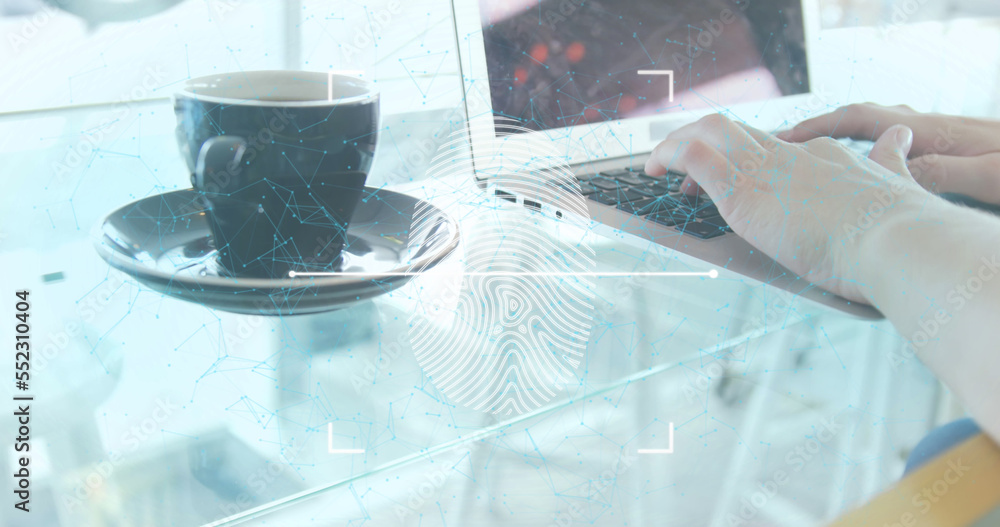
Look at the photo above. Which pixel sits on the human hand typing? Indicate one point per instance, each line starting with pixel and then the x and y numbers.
pixel 950 153
pixel 865 229
pixel 805 205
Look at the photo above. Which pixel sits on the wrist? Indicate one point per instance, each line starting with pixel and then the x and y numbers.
pixel 921 250
pixel 910 229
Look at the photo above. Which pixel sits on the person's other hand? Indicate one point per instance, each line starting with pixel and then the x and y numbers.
pixel 949 154
pixel 809 205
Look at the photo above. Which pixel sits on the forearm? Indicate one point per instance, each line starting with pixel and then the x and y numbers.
pixel 928 265
pixel 934 271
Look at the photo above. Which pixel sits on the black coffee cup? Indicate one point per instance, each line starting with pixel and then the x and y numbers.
pixel 281 159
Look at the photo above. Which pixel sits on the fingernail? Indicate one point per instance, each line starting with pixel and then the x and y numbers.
pixel 784 135
pixel 904 138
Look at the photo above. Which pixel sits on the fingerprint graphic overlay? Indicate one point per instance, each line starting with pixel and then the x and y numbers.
pixel 507 333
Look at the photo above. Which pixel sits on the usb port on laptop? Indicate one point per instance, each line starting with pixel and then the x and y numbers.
pixel 533 205
pixel 505 195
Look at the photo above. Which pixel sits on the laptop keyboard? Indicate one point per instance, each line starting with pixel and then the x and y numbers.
pixel 659 199
pixel 656 199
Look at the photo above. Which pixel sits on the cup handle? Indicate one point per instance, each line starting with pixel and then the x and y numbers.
pixel 218 164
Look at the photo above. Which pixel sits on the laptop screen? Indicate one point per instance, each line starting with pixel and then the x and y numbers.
pixel 561 63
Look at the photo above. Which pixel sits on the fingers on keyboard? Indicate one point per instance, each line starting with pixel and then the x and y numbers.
pixel 658 199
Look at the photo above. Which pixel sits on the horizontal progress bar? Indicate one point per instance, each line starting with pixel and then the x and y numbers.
pixel 710 274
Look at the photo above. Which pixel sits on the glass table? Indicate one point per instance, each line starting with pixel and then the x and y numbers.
pixel 692 397
pixel 695 402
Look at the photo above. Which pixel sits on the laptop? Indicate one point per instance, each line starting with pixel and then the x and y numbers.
pixel 605 81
